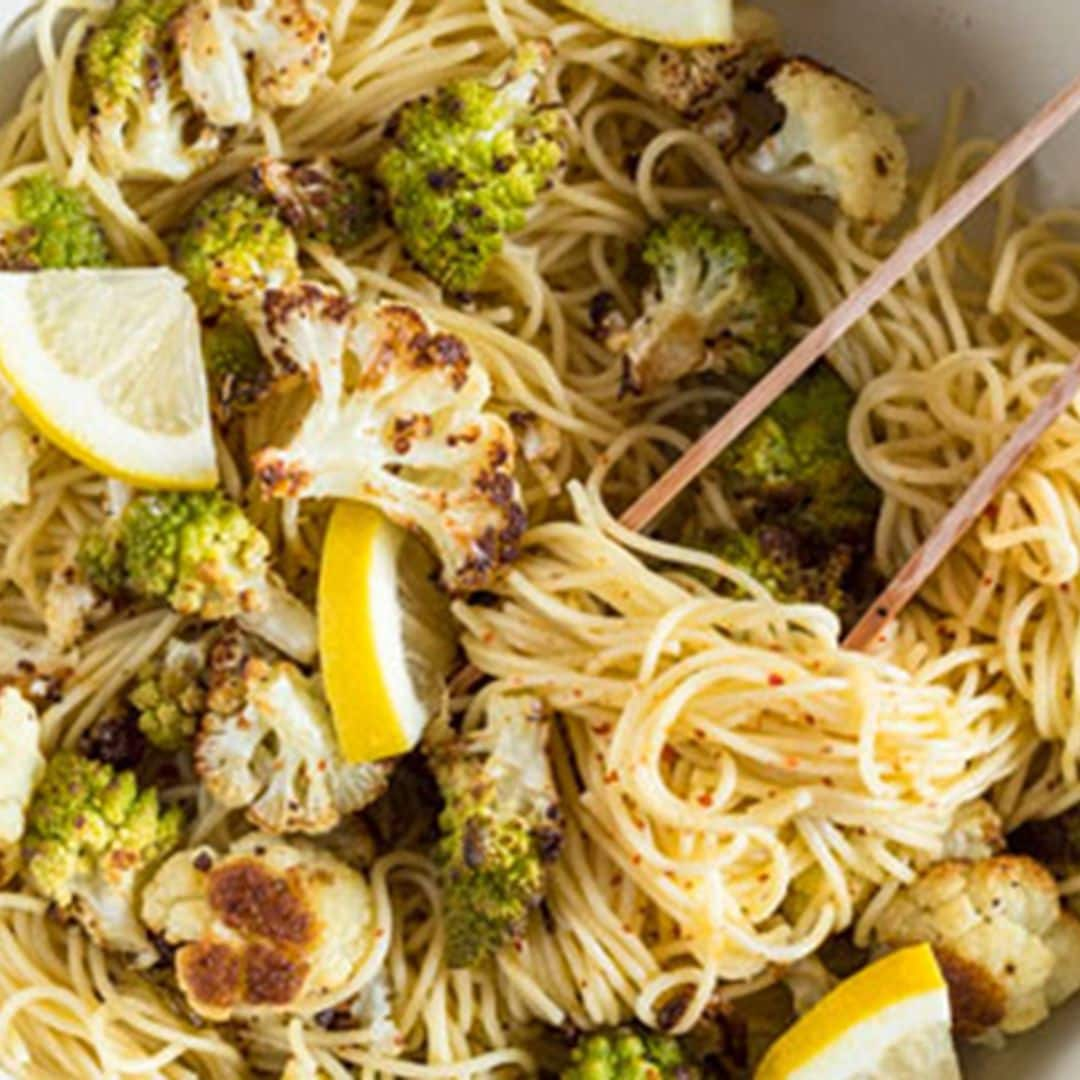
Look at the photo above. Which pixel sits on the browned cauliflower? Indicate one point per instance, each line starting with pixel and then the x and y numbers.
pixel 402 423
pixel 837 141
pixel 235 56
pixel 267 744
pixel 704 85
pixel 977 832
pixel 269 927
pixel 1009 951
pixel 18 449
pixel 23 768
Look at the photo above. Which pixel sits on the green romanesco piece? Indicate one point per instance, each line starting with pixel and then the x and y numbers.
pixel 321 200
pixel 46 226
pixel 91 837
pixel 499 829
pixel 235 247
pixel 468 163
pixel 794 466
pixel 170 694
pixel 239 374
pixel 117 53
pixel 717 302
pixel 196 551
pixel 629 1053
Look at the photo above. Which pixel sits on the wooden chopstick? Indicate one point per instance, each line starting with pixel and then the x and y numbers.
pixel 947 533
pixel 917 245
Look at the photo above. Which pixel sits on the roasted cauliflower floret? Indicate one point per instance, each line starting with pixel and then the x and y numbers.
pixel 169 694
pixel 197 552
pixel 717 302
pixel 401 424
pixel 1007 949
pixel 92 837
pixel 321 200
pixel 46 226
pixel 977 833
pixel 794 467
pixel 467 164
pixel 836 141
pixel 234 248
pixel 23 768
pixel 269 927
pixel 267 744
pixel 236 55
pixel 704 85
pixel 18 450
pixel 500 828
pixel 141 121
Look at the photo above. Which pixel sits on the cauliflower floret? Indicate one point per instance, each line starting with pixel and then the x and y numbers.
pixel 23 768
pixel 236 55
pixel 836 140
pixel 267 743
pixel 401 423
pixel 977 833
pixel 18 449
pixel 1007 949
pixel 500 829
pixel 92 836
pixel 269 927
pixel 704 85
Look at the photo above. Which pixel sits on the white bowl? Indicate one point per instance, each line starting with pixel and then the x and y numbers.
pixel 1014 54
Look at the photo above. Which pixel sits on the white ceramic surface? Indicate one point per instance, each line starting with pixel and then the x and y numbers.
pixel 1013 54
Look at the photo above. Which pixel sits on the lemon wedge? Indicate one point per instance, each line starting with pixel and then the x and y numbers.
pixel 891 1021
pixel 683 22
pixel 107 365
pixel 385 634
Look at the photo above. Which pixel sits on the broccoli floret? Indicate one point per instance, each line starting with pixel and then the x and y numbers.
pixel 320 200
pixel 142 122
pixel 794 466
pixel 235 248
pixel 197 552
pixel 468 163
pixel 629 1053
pixel 716 302
pixel 170 694
pixel 92 836
pixel 836 140
pixel 46 226
pixel 499 830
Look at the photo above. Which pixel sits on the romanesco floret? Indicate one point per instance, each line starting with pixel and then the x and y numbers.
pixel 239 375
pixel 401 422
pixel 197 552
pixel 705 85
pixel 837 141
pixel 271 926
pixel 321 200
pixel 500 828
pixel 794 467
pixel 92 836
pixel 234 248
pixel 717 302
pixel 629 1053
pixel 468 163
pixel 141 121
pixel 1007 949
pixel 267 744
pixel 169 694
pixel 169 80
pixel 23 766
pixel 46 226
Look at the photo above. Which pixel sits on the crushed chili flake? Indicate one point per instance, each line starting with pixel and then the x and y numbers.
pixel 776 680
pixel 705 800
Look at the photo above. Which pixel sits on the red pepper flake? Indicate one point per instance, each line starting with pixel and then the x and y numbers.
pixel 828 781
pixel 792 762
pixel 705 800
pixel 668 755
pixel 776 680
pixel 603 729
pixel 988 580
pixel 611 777
pixel 992 511
pixel 699 732
pixel 637 860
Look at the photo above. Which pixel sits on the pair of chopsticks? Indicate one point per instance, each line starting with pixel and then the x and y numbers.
pixel 917 245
